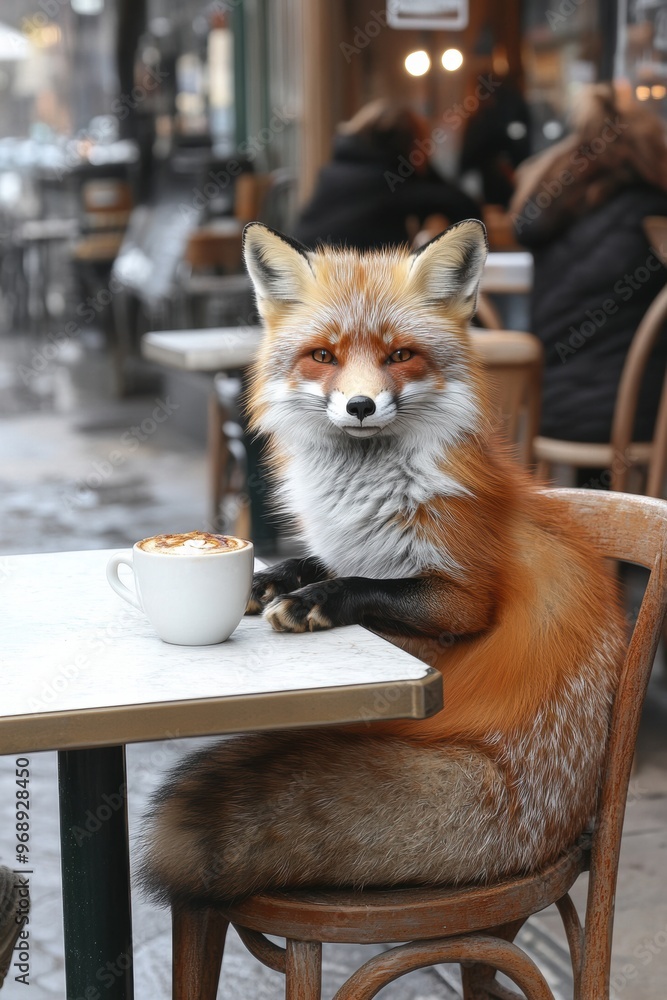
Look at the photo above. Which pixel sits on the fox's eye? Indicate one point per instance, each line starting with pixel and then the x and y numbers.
pixel 323 356
pixel 402 354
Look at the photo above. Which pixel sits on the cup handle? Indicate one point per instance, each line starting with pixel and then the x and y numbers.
pixel 122 559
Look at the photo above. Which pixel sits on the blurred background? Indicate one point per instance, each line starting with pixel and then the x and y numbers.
pixel 136 139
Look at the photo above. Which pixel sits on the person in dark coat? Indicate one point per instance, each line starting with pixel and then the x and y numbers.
pixel 579 208
pixel 379 189
pixel 497 140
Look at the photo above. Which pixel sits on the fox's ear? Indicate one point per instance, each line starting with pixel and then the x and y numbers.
pixel 278 265
pixel 449 267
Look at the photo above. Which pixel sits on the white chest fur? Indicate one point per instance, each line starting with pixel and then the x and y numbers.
pixel 351 504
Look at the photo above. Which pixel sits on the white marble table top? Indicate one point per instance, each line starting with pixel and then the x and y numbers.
pixel 80 667
pixel 203 350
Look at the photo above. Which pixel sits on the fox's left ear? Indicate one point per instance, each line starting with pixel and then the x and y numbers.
pixel 278 265
pixel 449 267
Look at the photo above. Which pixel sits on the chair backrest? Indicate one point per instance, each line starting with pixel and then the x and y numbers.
pixel 631 529
pixel 249 193
pixel 107 203
pixel 655 227
pixel 636 360
pixel 514 362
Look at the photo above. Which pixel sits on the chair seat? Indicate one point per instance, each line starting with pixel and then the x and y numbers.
pixel 584 453
pixel 376 916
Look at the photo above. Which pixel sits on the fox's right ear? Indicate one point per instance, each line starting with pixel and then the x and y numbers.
pixel 449 268
pixel 279 266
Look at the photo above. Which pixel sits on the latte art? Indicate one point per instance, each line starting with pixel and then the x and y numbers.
pixel 191 543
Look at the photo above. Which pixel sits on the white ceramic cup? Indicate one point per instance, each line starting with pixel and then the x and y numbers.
pixel 190 600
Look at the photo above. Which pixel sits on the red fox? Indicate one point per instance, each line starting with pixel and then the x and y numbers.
pixel 419 526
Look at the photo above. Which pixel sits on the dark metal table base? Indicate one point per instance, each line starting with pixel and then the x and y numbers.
pixel 96 873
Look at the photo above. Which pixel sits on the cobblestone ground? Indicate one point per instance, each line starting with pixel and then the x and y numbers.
pixel 61 489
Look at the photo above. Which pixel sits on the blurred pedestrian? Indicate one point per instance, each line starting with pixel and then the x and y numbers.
pixel 380 187
pixel 579 207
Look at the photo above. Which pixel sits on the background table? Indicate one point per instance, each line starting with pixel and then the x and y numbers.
pixel 84 674
pixel 228 348
pixel 508 272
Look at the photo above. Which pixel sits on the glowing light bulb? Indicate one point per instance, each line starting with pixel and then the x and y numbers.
pixel 658 91
pixel 452 59
pixel 643 93
pixel 418 63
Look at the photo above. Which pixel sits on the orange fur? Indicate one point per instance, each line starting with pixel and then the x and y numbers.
pixel 513 606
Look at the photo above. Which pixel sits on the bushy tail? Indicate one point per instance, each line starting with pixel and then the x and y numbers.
pixel 325 808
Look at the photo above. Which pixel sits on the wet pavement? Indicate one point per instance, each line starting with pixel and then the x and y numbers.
pixel 82 469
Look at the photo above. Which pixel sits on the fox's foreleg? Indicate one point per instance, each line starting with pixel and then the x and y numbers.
pixel 428 606
pixel 283 578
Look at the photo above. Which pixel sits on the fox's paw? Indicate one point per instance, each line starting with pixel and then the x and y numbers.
pixel 282 578
pixel 298 612
pixel 266 586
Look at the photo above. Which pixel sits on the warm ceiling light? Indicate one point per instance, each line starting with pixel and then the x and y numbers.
pixel 643 93
pixel 658 91
pixel 452 59
pixel 417 63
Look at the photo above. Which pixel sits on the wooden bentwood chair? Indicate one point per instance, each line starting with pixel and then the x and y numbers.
pixel 473 926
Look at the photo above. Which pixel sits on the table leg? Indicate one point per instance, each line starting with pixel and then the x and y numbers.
pixel 96 873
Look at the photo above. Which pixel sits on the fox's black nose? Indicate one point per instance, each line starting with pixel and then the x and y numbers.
pixel 361 406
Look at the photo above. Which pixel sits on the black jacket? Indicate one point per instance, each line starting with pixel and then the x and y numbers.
pixel 594 281
pixel 363 197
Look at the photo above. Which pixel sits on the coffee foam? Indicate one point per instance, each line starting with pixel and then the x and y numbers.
pixel 192 543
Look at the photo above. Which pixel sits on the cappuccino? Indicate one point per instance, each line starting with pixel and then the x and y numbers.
pixel 191 543
pixel 191 602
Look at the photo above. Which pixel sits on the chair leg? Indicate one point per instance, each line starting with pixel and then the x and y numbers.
pixel 478 981
pixel 475 979
pixel 198 944
pixel 303 970
pixel 543 471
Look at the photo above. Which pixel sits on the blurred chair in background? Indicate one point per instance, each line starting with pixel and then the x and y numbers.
pixel 513 362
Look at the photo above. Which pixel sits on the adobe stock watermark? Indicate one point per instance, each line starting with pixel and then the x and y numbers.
pixel 624 288
pixel 621 462
pixel 121 107
pixel 94 820
pixel 106 976
pixel 565 10
pixel 248 151
pixel 453 118
pixel 77 663
pixel 645 953
pixel 363 36
pixel 88 310
pixel 579 159
pixel 102 469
